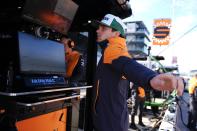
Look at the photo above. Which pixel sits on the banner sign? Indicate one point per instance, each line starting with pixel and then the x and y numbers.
pixel 161 31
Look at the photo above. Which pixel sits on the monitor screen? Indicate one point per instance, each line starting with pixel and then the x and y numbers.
pixel 55 14
pixel 40 56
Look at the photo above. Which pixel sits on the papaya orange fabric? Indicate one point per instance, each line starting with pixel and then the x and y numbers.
pixel 72 60
pixel 45 122
pixel 141 92
pixel 192 85
pixel 116 48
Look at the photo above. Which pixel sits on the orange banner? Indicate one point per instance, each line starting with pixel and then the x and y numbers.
pixel 161 34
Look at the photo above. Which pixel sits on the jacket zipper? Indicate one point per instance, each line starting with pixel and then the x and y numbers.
pixel 97 92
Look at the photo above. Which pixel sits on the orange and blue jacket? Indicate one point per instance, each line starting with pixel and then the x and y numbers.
pixel 110 112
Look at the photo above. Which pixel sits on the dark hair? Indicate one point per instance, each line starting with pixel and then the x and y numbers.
pixel 71 44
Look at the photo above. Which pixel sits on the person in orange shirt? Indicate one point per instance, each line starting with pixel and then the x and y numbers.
pixel 138 96
pixel 74 62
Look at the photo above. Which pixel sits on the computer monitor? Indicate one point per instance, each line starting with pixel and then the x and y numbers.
pixel 40 56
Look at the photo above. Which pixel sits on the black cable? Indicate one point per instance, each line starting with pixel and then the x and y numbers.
pixel 184 101
pixel 60 119
pixel 180 111
pixel 69 124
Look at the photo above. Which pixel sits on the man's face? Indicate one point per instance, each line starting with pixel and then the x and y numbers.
pixel 104 32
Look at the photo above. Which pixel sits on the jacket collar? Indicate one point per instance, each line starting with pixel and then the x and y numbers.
pixel 117 40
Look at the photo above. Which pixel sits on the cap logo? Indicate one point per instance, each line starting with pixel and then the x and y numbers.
pixel 105 18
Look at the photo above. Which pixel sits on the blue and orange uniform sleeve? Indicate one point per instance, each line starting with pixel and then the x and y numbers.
pixel 133 71
pixel 117 56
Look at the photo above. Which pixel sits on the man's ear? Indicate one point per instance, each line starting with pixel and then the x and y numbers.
pixel 117 33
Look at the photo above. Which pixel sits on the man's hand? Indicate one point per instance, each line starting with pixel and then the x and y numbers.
pixel 167 82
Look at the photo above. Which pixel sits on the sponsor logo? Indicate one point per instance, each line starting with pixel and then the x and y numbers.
pixel 42 81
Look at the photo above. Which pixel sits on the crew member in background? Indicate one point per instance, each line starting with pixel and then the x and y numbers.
pixel 74 62
pixel 138 99
pixel 193 103
pixel 192 85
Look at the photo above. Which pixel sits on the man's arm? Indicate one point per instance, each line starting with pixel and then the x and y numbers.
pixel 145 77
pixel 133 71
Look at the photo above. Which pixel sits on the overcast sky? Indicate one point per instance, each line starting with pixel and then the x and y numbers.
pixel 184 18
